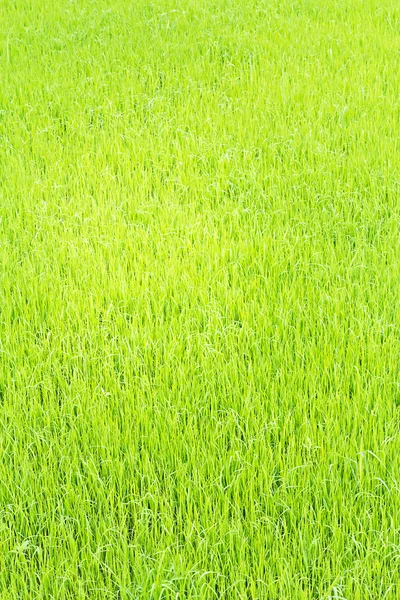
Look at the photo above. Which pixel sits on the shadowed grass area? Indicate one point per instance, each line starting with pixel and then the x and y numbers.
pixel 199 300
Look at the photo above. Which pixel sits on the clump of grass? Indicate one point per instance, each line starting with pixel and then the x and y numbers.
pixel 199 292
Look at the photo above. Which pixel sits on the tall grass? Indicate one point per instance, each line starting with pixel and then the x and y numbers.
pixel 199 299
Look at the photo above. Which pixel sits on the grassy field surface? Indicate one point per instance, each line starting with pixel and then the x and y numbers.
pixel 200 300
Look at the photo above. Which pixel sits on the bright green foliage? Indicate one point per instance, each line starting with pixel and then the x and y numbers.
pixel 199 299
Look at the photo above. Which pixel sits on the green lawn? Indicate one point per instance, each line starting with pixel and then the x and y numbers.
pixel 200 300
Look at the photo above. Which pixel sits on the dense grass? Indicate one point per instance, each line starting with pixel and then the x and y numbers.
pixel 199 299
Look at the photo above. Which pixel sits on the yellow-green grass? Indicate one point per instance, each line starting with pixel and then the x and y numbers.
pixel 199 299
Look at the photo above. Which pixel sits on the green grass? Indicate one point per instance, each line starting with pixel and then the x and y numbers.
pixel 200 299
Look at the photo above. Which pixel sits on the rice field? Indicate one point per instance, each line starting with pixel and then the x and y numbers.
pixel 200 300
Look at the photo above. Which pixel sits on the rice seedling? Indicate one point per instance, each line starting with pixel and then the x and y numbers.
pixel 199 299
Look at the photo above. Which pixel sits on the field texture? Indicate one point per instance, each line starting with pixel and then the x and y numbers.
pixel 199 300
